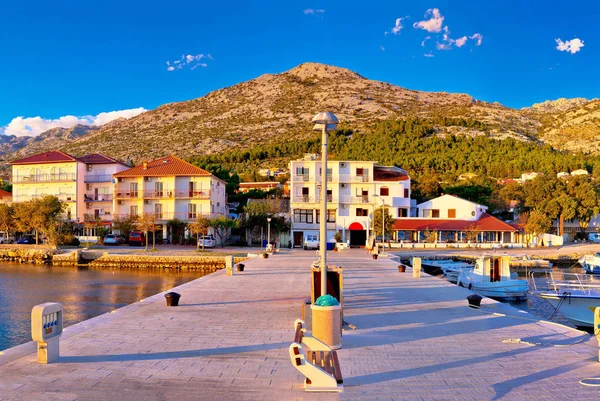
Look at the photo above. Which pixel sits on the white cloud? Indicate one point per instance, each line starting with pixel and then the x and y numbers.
pixel 434 24
pixel 190 60
pixel 572 46
pixel 477 37
pixel 460 42
pixel 398 26
pixel 429 54
pixel 33 126
pixel 443 46
pixel 425 40
pixel 312 11
pixel 382 48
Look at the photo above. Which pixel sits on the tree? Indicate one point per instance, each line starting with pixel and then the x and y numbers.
pixel 46 217
pixel 537 223
pixel 147 222
pixel 584 196
pixel 6 217
pixel 177 228
pixel 22 216
pixel 200 226
pixel 256 214
pixel 377 222
pixel 125 224
pixel 95 223
pixel 221 225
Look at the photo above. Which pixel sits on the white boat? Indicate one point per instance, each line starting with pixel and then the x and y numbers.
pixel 575 296
pixel 450 267
pixel 492 278
pixel 590 263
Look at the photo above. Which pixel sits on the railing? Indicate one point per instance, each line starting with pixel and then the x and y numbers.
pixel 61 197
pixel 354 199
pixel 87 218
pixel 164 194
pixel 301 178
pixel 311 199
pixel 97 197
pixel 353 178
pixel 98 178
pixel 185 216
pixel 44 177
pixel 570 281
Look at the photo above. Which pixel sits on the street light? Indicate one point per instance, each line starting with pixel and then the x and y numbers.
pixel 324 121
pixel 268 232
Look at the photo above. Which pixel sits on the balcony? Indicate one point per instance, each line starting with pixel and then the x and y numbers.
pixel 98 178
pixel 61 197
pixel 164 194
pixel 353 178
pixel 301 178
pixel 360 199
pixel 44 178
pixel 184 216
pixel 98 197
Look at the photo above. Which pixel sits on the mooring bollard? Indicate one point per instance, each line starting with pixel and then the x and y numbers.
pixel 229 265
pixel 46 329
pixel 172 298
pixel 416 267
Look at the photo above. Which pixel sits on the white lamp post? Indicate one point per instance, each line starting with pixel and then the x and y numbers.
pixel 382 225
pixel 324 121
pixel 268 232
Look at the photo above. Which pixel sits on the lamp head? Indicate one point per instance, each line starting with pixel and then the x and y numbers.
pixel 325 117
pixel 268 219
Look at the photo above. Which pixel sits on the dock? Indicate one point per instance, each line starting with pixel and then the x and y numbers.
pixel 414 339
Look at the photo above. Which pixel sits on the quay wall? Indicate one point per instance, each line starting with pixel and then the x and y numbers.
pixel 27 254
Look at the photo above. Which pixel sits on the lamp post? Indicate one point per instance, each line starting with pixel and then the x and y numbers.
pixel 324 121
pixel 268 231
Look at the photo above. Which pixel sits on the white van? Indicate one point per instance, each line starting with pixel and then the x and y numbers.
pixel 594 237
pixel 6 238
pixel 311 241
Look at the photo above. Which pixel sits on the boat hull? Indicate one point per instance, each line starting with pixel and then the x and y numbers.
pixel 578 309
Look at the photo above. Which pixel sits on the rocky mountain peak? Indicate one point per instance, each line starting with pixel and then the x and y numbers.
pixel 318 70
pixel 558 105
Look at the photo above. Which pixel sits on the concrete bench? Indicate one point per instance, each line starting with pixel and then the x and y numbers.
pixel 319 365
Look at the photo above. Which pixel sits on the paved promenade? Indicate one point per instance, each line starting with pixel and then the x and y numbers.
pixel 415 339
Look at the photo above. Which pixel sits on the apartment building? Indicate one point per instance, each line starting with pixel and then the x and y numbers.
pixel 74 180
pixel 354 190
pixel 169 188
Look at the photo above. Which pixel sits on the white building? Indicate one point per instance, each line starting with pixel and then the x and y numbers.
pixel 450 207
pixel 83 183
pixel 170 188
pixel 354 190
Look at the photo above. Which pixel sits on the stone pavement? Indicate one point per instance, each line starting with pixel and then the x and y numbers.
pixel 228 340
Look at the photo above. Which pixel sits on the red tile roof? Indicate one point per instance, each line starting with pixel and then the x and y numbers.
pixel 485 223
pixel 54 156
pixel 391 174
pixel 165 166
pixel 5 194
pixel 97 158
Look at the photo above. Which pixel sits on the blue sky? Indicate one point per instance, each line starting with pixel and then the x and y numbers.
pixel 76 59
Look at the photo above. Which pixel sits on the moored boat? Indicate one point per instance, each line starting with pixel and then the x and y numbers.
pixel 492 278
pixel 575 296
pixel 590 263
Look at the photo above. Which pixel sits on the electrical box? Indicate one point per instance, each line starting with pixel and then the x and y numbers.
pixel 46 329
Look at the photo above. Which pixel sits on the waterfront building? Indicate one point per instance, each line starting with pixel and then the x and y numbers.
pixel 83 183
pixel 449 218
pixel 245 187
pixel 169 188
pixel 354 190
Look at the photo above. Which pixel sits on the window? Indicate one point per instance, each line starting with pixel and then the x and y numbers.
pixel 451 213
pixel 133 189
pixel 406 193
pixel 133 210
pixel 329 195
pixel 191 188
pixel 431 213
pixel 330 216
pixel 158 210
pixel 384 191
pixel 192 211
pixel 402 212
pixel 303 216
pixel 362 212
pixel 435 213
pixel 158 188
pixel 360 171
pixel 300 171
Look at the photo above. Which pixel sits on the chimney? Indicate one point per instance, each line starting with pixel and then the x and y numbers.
pixel 145 165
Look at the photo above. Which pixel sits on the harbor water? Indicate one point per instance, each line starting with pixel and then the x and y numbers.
pixel 84 293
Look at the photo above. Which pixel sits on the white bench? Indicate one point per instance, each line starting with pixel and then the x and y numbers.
pixel 320 365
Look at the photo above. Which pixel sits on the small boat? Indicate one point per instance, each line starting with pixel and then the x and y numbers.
pixel 450 267
pixel 437 266
pixel 492 278
pixel 575 296
pixel 590 263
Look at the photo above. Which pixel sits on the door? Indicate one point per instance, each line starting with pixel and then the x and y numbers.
pixel 298 238
pixel 358 238
pixel 95 193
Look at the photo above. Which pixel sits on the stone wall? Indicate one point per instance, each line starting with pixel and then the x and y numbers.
pixel 27 255
pixel 186 263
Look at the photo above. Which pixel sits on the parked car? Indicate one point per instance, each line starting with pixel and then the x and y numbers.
pixel 594 237
pixel 111 239
pixel 6 238
pixel 311 241
pixel 209 241
pixel 137 238
pixel 121 239
pixel 26 239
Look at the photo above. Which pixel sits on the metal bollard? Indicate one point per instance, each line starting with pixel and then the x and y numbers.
pixel 416 267
pixel 46 329
pixel 229 265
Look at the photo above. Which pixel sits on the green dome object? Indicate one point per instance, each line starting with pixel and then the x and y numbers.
pixel 326 300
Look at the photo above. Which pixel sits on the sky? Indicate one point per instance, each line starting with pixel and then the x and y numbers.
pixel 69 61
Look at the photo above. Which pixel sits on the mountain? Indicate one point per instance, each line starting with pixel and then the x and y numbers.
pixel 279 107
pixel 557 106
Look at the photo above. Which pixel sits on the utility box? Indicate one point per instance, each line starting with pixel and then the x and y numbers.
pixel 46 329
pixel 416 267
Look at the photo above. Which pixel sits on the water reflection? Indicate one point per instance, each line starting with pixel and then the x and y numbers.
pixel 84 293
